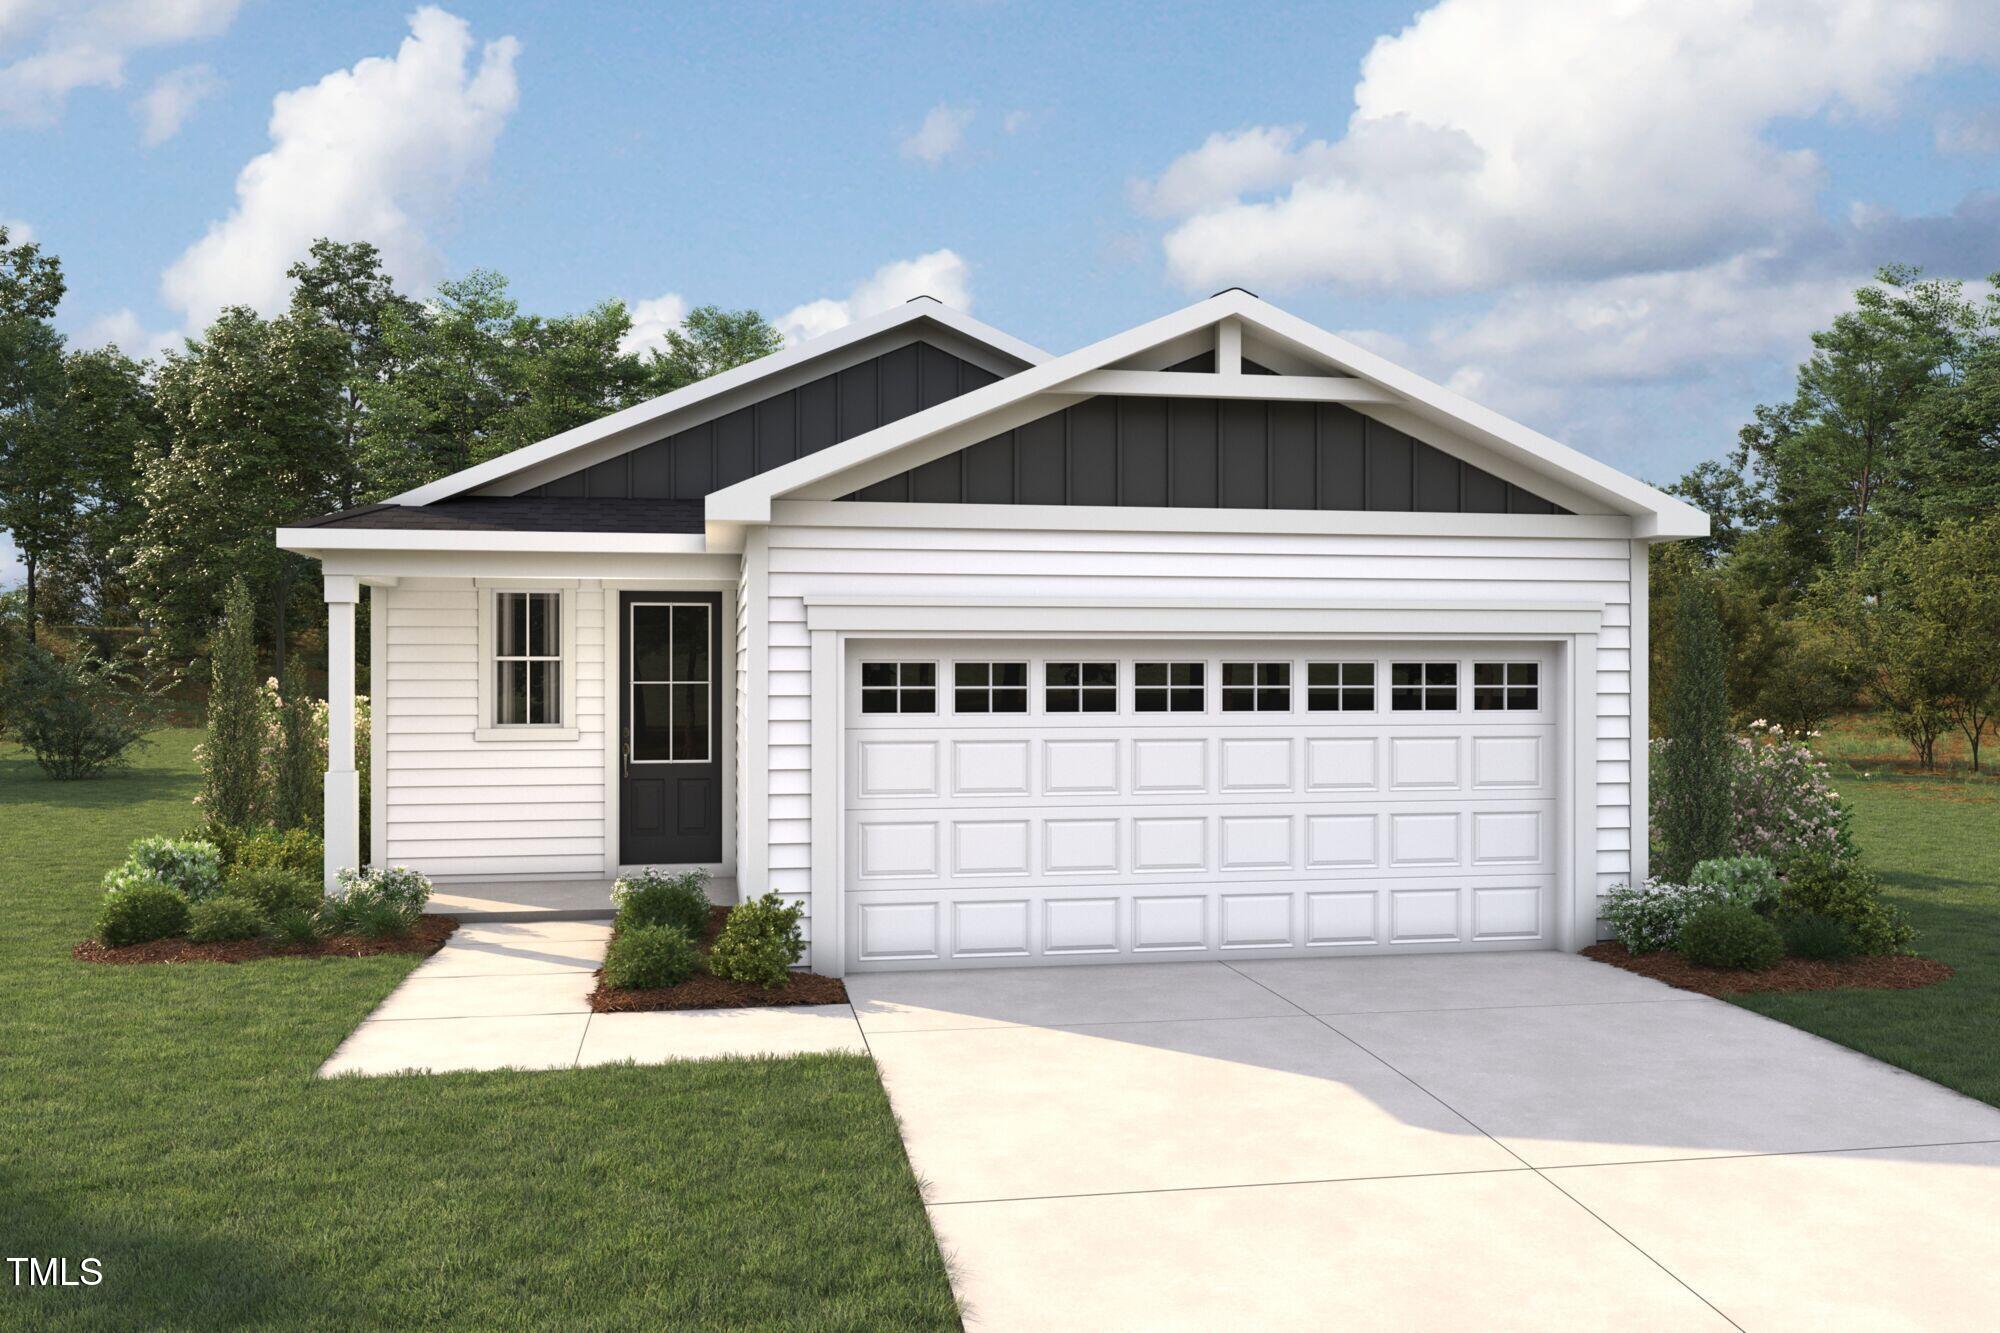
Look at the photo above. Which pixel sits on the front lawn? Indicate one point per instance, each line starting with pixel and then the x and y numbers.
pixel 1935 840
pixel 165 1120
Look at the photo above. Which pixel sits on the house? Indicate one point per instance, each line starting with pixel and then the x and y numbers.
pixel 1222 637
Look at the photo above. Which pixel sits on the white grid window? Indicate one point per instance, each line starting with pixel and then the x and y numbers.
pixel 1080 687
pixel 527 659
pixel 1256 687
pixel 1423 687
pixel 1340 687
pixel 899 687
pixel 989 687
pixel 1506 687
pixel 1170 687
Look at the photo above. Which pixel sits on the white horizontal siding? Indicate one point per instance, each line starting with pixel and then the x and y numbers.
pixel 460 808
pixel 949 564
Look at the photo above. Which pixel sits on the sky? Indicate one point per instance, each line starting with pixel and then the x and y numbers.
pixel 1615 220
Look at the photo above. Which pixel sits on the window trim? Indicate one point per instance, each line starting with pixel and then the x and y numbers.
pixel 1507 686
pixel 487 594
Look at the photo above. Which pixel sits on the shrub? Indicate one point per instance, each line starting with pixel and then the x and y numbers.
pixel 376 902
pixel 299 850
pixel 1819 886
pixel 77 716
pixel 233 784
pixel 759 942
pixel 1691 792
pixel 651 898
pixel 1786 807
pixel 1729 935
pixel 220 920
pixel 296 782
pixel 192 866
pixel 1649 917
pixel 296 925
pixel 1810 935
pixel 138 908
pixel 646 957
pixel 275 891
pixel 1748 881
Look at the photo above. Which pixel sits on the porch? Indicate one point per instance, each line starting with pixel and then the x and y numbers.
pixel 541 900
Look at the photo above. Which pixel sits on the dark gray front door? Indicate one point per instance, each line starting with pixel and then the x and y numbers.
pixel 670 808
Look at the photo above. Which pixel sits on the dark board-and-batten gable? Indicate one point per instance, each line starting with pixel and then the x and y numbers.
pixel 1209 453
pixel 772 432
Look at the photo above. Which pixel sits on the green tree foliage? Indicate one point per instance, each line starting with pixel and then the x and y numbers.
pixel 232 776
pixel 1693 777
pixel 39 491
pixel 77 715
pixel 252 416
pixel 342 286
pixel 296 795
pixel 709 341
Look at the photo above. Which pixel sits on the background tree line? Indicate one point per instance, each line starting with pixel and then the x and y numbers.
pixel 1855 558
pixel 136 490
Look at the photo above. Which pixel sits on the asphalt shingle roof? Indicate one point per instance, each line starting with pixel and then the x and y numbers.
pixel 523 513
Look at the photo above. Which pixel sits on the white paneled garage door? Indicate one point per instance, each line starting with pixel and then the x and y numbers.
pixel 1012 803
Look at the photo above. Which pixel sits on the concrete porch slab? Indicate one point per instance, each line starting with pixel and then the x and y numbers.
pixel 540 899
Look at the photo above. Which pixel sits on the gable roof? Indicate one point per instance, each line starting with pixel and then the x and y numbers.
pixel 1345 371
pixel 705 396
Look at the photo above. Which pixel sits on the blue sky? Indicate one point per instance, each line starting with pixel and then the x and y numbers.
pixel 1617 222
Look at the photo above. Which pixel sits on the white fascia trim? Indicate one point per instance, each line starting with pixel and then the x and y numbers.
pixel 1200 384
pixel 1661 516
pixel 312 541
pixel 921 308
pixel 1102 518
pixel 1085 617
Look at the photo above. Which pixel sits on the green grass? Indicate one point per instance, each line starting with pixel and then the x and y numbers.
pixel 1935 841
pixel 166 1120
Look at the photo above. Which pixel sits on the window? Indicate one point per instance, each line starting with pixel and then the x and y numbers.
pixel 1340 687
pixel 1256 687
pixel 670 645
pixel 1080 687
pixel 1423 687
pixel 899 687
pixel 527 659
pixel 990 687
pixel 1170 687
pixel 1505 687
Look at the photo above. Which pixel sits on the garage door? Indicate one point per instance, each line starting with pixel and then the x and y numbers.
pixel 1014 803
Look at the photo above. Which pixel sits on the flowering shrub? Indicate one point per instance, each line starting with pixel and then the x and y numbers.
pixel 188 865
pixel 1785 804
pixel 400 887
pixel 1648 917
pixel 1749 881
pixel 270 729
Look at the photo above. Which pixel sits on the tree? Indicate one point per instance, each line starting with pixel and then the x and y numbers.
pixel 232 776
pixel 252 441
pixel 343 287
pixel 566 372
pixel 76 714
pixel 296 793
pixel 1955 584
pixel 38 494
pixel 1950 438
pixel 107 423
pixel 1694 814
pixel 709 341
pixel 1890 639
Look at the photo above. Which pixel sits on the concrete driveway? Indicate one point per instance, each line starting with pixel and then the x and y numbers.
pixel 1492 1141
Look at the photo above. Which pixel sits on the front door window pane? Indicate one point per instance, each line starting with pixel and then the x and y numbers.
pixel 671 657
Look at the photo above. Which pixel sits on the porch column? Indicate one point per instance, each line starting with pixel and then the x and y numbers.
pixel 343 784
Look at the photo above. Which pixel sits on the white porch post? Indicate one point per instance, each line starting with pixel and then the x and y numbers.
pixel 343 784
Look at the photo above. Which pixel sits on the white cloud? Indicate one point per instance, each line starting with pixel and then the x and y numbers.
pixel 941 273
pixel 12 571
pixel 373 153
pixel 1015 121
pixel 940 136
pixel 123 329
pixel 652 320
pixel 1493 142
pixel 1968 134
pixel 172 99
pixel 86 45
pixel 18 232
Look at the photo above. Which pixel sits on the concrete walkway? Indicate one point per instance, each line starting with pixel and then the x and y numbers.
pixel 516 995
pixel 1495 1141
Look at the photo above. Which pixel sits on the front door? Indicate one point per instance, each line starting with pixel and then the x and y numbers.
pixel 670 746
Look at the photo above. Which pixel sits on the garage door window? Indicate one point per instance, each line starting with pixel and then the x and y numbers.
pixel 1340 687
pixel 1256 687
pixel 899 687
pixel 1080 687
pixel 989 687
pixel 1170 687
pixel 1423 687
pixel 1510 687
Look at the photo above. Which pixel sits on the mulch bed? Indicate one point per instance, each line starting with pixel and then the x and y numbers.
pixel 1876 972
pixel 702 991
pixel 427 938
